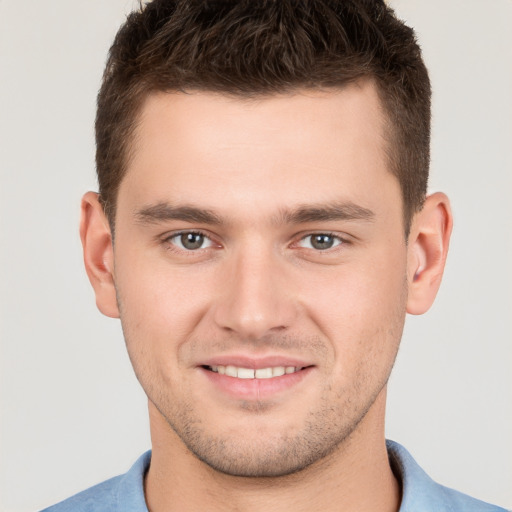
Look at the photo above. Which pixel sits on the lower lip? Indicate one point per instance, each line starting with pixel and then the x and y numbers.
pixel 256 389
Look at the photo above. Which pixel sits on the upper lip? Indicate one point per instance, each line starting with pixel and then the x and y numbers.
pixel 256 363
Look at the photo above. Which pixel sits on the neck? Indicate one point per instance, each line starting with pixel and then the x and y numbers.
pixel 355 477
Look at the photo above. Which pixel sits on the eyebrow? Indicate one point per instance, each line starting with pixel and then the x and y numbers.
pixel 162 212
pixel 325 212
pixel 346 211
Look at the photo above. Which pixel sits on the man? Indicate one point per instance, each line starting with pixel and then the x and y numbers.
pixel 261 229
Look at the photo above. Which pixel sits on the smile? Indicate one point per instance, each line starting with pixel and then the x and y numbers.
pixel 251 373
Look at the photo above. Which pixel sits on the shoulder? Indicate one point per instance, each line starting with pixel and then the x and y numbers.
pixel 462 502
pixel 421 494
pixel 123 493
pixel 99 498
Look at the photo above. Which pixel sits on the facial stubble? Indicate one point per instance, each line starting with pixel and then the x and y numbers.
pixel 326 429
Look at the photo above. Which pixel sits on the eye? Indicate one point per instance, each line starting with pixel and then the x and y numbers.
pixel 320 241
pixel 190 241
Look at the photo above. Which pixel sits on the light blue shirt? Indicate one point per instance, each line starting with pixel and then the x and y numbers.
pixel 125 493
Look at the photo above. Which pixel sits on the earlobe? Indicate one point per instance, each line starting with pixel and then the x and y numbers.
pixel 428 248
pixel 98 253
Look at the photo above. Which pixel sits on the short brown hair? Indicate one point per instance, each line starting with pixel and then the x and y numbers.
pixel 261 47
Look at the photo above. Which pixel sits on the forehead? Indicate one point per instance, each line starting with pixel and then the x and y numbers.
pixel 284 148
pixel 350 110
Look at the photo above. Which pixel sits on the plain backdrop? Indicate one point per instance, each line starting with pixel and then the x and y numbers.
pixel 72 414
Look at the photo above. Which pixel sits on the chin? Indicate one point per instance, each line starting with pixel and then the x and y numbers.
pixel 261 459
pixel 258 451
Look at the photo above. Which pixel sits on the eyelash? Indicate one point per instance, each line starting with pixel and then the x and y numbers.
pixel 172 246
pixel 341 241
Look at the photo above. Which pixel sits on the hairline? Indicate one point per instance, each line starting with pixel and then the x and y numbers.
pixel 390 145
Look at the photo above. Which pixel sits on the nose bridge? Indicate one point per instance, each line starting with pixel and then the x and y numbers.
pixel 255 300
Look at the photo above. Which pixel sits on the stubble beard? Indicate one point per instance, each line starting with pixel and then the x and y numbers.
pixel 327 428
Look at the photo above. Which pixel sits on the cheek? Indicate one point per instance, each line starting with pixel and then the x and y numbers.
pixel 157 318
pixel 159 307
pixel 360 307
pixel 150 287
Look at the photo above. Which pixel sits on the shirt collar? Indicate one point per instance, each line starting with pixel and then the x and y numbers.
pixel 419 492
pixel 130 492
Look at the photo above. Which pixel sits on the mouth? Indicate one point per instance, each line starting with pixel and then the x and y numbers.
pixel 264 382
pixel 251 373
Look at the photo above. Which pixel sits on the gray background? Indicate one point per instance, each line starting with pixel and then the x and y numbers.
pixel 72 414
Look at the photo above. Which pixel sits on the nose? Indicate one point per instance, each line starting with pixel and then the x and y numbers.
pixel 256 297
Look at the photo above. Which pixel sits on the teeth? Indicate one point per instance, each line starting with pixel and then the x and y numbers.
pixel 278 371
pixel 249 373
pixel 264 373
pixel 245 373
pixel 231 371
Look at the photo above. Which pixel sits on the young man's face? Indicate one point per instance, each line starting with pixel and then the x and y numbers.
pixel 260 265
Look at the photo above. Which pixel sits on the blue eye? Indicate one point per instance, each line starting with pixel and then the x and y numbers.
pixel 190 241
pixel 320 241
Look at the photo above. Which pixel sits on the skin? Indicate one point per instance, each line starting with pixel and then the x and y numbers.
pixel 259 179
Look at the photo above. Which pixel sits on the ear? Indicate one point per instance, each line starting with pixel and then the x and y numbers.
pixel 98 253
pixel 427 250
